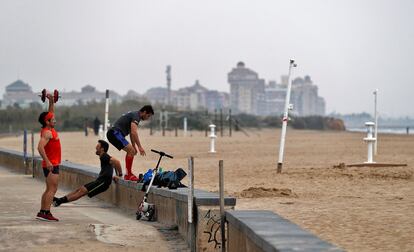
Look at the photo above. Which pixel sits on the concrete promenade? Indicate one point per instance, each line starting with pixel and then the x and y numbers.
pixel 85 225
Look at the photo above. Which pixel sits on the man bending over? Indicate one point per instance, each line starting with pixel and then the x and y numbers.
pixel 126 125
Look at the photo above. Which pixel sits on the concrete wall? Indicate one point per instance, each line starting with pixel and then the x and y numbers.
pixel 13 159
pixel 259 230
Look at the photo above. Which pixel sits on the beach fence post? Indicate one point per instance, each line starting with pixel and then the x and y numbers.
pixel 222 215
pixel 376 121
pixel 208 118
pixel 24 146
pixel 185 126
pixel 106 121
pixel 101 131
pixel 288 106
pixel 212 138
pixel 190 204
pixel 161 119
pixel 33 162
pixel 371 141
pixel 215 117
pixel 230 122
pixel 163 130
pixel 166 119
pixel 221 122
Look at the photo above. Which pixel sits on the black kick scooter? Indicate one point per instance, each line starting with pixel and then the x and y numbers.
pixel 146 209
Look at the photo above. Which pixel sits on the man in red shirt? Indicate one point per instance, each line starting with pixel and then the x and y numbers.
pixel 49 149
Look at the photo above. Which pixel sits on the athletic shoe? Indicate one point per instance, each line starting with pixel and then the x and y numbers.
pixel 56 202
pixel 46 217
pixel 130 177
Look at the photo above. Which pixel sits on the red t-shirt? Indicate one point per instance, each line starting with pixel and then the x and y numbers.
pixel 52 148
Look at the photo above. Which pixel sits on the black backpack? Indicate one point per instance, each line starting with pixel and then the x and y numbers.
pixel 170 179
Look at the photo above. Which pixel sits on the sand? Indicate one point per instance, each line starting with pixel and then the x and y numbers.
pixel 358 209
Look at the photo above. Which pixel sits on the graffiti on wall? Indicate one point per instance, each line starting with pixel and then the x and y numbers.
pixel 213 228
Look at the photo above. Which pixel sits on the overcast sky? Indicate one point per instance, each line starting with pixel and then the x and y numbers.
pixel 349 47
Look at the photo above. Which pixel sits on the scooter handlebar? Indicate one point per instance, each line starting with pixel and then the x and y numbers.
pixel 162 153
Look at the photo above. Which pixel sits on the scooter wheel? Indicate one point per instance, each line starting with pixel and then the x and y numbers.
pixel 139 215
pixel 150 214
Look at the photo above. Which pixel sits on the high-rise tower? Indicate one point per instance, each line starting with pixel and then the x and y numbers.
pixel 168 71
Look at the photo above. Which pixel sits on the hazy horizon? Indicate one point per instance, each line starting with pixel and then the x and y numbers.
pixel 349 48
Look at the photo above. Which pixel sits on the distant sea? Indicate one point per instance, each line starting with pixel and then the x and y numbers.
pixel 393 130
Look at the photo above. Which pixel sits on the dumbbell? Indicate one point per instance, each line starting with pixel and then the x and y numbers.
pixel 44 94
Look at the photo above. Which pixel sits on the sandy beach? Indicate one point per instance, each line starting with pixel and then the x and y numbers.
pixel 358 209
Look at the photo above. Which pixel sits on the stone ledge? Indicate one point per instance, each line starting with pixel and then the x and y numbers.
pixel 201 198
pixel 270 232
pixel 12 152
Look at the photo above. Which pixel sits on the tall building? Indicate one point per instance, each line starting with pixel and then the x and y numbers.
pixel 157 95
pixel 247 91
pixel 275 95
pixel 216 100
pixel 249 94
pixel 305 98
pixel 193 97
pixel 168 72
pixel 19 93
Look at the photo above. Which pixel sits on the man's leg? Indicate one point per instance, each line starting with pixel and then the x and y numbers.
pixel 129 159
pixel 51 188
pixel 118 140
pixel 43 199
pixel 91 189
pixel 47 197
pixel 75 195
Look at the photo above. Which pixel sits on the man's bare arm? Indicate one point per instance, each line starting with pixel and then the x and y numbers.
pixel 117 165
pixel 135 138
pixel 131 136
pixel 41 148
pixel 134 135
pixel 51 103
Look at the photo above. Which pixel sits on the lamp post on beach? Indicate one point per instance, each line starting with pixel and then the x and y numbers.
pixel 371 141
pixel 376 121
pixel 106 114
pixel 288 106
pixel 212 138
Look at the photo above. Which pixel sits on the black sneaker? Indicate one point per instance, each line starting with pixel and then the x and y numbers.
pixel 56 202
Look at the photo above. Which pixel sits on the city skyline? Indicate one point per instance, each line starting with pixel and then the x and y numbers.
pixel 248 94
pixel 349 48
